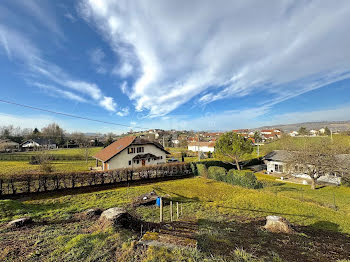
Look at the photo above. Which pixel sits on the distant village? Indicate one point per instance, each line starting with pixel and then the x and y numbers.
pixel 191 140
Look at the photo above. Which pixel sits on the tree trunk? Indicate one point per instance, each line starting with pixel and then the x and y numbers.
pixel 237 165
pixel 313 183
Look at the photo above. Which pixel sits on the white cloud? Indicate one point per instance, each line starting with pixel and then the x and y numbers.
pixel 70 17
pixel 18 46
pixel 97 58
pixel 54 91
pixel 108 103
pixel 124 70
pixel 220 49
pixel 29 121
pixel 124 88
pixel 123 112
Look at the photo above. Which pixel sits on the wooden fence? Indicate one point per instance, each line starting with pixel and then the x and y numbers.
pixel 31 183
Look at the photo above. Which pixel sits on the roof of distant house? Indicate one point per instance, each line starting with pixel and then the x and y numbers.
pixel 201 144
pixel 41 141
pixel 284 155
pixel 122 143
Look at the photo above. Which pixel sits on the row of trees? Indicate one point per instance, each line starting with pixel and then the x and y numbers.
pixel 55 134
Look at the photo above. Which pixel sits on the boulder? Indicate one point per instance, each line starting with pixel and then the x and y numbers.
pixel 92 212
pixel 277 224
pixel 116 217
pixel 20 222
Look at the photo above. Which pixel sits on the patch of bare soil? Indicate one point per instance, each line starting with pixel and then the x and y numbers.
pixel 35 242
pixel 306 244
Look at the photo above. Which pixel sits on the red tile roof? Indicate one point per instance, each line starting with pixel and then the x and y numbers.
pixel 114 148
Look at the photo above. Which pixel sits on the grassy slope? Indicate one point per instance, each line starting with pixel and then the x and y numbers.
pixel 18 167
pixel 206 199
pixel 64 151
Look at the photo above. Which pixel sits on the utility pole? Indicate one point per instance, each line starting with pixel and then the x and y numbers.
pixel 258 149
pixel 163 141
pixel 332 136
pixel 199 153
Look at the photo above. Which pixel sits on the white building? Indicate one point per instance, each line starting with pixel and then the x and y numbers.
pixel 293 133
pixel 38 143
pixel 276 163
pixel 322 131
pixel 313 132
pixel 130 152
pixel 201 146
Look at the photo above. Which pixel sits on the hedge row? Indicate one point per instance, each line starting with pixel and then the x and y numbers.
pixel 28 183
pixel 235 177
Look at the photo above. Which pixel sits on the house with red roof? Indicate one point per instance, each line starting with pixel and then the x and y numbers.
pixel 130 152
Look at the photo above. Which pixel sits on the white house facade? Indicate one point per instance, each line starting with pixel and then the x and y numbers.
pixel 201 146
pixel 131 152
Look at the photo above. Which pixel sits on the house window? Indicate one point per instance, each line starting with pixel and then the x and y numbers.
pixel 140 149
pixel 161 157
pixel 137 161
pixel 131 150
pixel 130 163
pixel 149 160
pixel 278 168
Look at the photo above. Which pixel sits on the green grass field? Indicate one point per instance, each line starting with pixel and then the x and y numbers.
pixel 218 207
pixel 20 167
pixel 204 198
pixel 63 151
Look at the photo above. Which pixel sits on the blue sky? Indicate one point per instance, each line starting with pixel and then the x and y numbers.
pixel 174 64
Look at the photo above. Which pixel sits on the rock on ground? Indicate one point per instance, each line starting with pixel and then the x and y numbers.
pixel 20 222
pixel 277 224
pixel 92 212
pixel 116 217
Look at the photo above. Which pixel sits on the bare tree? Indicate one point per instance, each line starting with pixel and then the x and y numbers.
pixel 84 143
pixel 314 158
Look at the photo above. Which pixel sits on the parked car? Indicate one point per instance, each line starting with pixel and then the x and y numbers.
pixel 172 160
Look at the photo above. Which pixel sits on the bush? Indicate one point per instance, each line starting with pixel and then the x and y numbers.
pixel 202 170
pixel 217 173
pixel 210 163
pixel 194 169
pixel 243 178
pixel 34 160
pixel 345 181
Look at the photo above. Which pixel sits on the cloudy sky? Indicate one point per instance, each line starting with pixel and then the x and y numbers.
pixel 209 65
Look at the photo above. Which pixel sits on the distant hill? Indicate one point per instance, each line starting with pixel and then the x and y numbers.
pixel 332 125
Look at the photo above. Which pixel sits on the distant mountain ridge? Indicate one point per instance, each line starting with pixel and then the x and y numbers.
pixel 332 125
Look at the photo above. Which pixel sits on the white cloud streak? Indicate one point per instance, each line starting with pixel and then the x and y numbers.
pixel 17 45
pixel 123 112
pixel 220 49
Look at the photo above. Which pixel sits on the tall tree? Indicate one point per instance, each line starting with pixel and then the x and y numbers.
pixel 302 131
pixel 257 136
pixel 232 147
pixel 54 133
pixel 327 132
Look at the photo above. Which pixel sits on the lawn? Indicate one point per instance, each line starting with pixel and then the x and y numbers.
pixel 19 167
pixel 63 151
pixel 204 198
pixel 225 215
pixel 8 168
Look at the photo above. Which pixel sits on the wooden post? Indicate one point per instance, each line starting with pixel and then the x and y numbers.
pixel 181 210
pixel 161 210
pixel 177 209
pixel 171 211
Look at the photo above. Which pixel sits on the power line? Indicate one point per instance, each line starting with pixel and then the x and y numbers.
pixel 69 115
